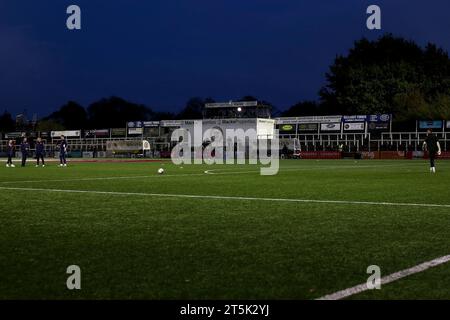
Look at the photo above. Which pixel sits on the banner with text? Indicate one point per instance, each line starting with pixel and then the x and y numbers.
pixel 354 126
pixel 330 126
pixel 434 124
pixel 67 133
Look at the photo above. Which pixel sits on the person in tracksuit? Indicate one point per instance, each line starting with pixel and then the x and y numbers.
pixel 10 150
pixel 24 148
pixel 432 145
pixel 40 152
pixel 62 152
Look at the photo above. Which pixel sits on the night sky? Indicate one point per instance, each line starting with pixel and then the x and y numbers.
pixel 162 52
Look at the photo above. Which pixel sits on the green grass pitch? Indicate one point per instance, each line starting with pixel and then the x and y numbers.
pixel 134 241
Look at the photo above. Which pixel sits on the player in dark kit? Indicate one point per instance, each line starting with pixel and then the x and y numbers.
pixel 24 148
pixel 62 152
pixel 431 144
pixel 40 152
pixel 10 151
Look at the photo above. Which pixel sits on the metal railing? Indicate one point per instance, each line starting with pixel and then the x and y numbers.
pixel 349 142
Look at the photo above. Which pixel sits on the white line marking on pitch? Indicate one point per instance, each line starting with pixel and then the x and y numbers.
pixel 312 168
pixel 194 196
pixel 209 172
pixel 388 279
pixel 102 178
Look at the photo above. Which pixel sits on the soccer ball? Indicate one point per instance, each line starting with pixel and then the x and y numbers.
pixel 160 170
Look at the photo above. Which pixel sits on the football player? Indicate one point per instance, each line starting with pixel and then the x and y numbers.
pixel 432 145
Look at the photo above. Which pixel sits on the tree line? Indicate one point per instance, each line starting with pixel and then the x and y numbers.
pixel 387 75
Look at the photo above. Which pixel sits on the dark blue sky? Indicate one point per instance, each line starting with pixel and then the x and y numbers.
pixel 162 52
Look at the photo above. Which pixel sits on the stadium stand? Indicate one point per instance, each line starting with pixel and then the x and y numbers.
pixel 340 136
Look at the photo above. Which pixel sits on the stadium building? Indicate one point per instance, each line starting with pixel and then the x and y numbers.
pixel 316 137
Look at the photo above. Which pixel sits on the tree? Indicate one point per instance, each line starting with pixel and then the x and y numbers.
pixel 163 116
pixel 410 105
pixel 380 76
pixel 70 116
pixel 305 108
pixel 46 125
pixel 193 109
pixel 7 123
pixel 115 112
pixel 248 98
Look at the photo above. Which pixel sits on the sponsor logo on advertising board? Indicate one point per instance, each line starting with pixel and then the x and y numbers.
pixel 135 130
pixel 378 125
pixel 330 126
pixel 118 132
pixel 354 126
pixel 287 128
pixel 434 124
pixel 68 133
pixel 308 127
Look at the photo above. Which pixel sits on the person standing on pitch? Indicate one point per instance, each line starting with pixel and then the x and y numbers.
pixel 62 152
pixel 24 148
pixel 431 144
pixel 10 151
pixel 40 152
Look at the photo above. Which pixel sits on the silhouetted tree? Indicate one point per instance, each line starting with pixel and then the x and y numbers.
pixel 7 123
pixel 248 98
pixel 70 116
pixel 115 112
pixel 163 116
pixel 209 100
pixel 385 76
pixel 193 109
pixel 46 125
pixel 305 108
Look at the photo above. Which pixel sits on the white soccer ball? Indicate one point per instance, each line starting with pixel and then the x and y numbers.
pixel 160 170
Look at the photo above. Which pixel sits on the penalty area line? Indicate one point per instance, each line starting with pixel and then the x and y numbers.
pixel 212 197
pixel 387 279
pixel 311 168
